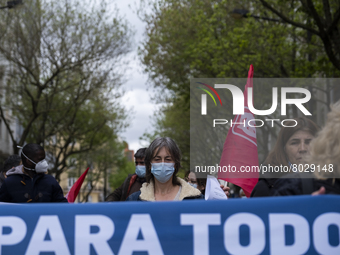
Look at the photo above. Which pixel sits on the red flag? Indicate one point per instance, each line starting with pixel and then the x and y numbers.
pixel 73 193
pixel 240 147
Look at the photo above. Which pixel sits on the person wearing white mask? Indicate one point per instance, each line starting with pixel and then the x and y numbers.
pixel 162 163
pixel 29 183
pixel 133 182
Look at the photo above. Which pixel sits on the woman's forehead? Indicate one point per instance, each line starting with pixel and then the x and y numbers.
pixel 192 175
pixel 301 134
pixel 161 151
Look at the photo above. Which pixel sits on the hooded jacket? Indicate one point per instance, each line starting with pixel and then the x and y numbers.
pixel 147 192
pixel 21 188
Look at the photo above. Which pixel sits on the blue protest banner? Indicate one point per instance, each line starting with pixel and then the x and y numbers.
pixel 276 225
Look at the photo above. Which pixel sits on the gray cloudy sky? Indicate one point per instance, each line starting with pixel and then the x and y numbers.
pixel 137 96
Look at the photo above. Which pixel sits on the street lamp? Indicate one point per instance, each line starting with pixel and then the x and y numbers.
pixel 11 4
pixel 242 13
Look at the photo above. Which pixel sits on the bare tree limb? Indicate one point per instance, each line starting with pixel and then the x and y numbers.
pixel 284 18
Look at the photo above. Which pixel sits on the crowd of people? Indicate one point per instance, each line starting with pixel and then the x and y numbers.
pixel 24 179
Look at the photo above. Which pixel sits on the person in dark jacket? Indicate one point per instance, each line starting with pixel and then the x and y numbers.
pixel 29 183
pixel 11 161
pixel 133 182
pixel 324 162
pixel 2 177
pixel 289 153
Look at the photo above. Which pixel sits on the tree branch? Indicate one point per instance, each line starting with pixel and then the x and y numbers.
pixel 334 23
pixel 284 18
pixel 316 17
pixel 7 125
pixel 327 12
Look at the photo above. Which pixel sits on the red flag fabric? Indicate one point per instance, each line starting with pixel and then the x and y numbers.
pixel 73 193
pixel 240 147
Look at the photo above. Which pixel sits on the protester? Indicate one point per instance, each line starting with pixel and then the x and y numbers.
pixel 289 153
pixel 198 183
pixel 11 161
pixel 162 163
pixel 133 182
pixel 29 182
pixel 323 162
pixel 191 179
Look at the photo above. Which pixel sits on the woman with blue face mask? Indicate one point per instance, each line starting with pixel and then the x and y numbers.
pixel 162 163
pixel 198 183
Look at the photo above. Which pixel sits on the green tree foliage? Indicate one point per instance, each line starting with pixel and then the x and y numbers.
pixel 194 38
pixel 172 120
pixel 124 168
pixel 319 18
pixel 62 76
pixel 203 39
pixel 107 164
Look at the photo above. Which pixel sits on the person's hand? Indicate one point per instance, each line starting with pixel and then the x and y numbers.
pixel 225 189
pixel 321 191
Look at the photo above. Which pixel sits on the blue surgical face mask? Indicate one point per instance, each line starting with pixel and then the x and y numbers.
pixel 193 185
pixel 140 171
pixel 162 171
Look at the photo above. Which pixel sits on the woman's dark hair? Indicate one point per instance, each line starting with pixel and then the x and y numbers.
pixel 278 156
pixel 201 182
pixel 186 175
pixel 154 148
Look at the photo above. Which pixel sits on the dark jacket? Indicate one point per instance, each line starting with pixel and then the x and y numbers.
pixel 264 187
pixel 299 186
pixel 146 193
pixel 131 184
pixel 269 186
pixel 2 179
pixel 21 188
pixel 269 182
